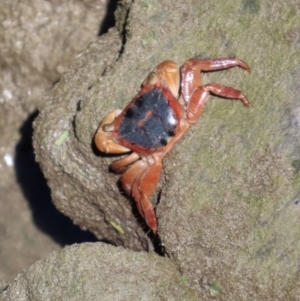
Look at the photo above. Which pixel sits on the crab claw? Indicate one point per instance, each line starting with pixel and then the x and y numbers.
pixel 167 73
pixel 103 137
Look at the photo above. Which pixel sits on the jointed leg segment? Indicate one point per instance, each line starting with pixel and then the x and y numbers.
pixel 140 181
pixel 119 166
pixel 217 64
pixel 191 76
pixel 195 95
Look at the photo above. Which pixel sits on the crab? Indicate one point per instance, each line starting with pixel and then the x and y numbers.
pixel 171 99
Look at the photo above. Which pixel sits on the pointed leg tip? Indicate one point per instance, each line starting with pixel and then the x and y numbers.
pixel 153 229
pixel 244 65
pixel 152 226
pixel 248 68
pixel 245 101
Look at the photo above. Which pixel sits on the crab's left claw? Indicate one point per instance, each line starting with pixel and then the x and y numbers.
pixel 103 137
pixel 168 74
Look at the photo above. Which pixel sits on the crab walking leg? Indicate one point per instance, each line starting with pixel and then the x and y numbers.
pixel 227 92
pixel 119 166
pixel 129 181
pixel 131 174
pixel 146 185
pixel 217 64
pixel 201 96
pixel 191 72
pixel 140 181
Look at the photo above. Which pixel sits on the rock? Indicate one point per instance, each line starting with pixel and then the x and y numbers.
pixel 38 41
pixel 100 272
pixel 229 196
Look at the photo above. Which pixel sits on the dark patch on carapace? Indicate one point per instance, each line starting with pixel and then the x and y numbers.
pixel 163 141
pixel 171 133
pixel 129 113
pixel 139 102
pixel 150 121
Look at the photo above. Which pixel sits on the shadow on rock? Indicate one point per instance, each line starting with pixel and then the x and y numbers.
pixel 109 19
pixel 37 193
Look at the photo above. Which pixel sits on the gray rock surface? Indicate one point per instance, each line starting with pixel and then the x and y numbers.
pixel 100 272
pixel 38 39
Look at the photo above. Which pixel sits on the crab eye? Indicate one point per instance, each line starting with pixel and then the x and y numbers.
pixel 152 78
pixel 109 127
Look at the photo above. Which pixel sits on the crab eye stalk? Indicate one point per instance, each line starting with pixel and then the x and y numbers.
pixel 109 127
pixel 151 79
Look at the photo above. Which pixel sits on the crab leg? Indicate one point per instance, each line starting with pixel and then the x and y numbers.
pixel 146 186
pixel 191 77
pixel 140 181
pixel 131 174
pixel 128 179
pixel 201 95
pixel 217 64
pixel 227 92
pixel 119 166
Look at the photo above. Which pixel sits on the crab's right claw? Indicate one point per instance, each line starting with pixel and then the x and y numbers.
pixel 103 137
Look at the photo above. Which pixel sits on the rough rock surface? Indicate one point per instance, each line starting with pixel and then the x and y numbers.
pixel 34 51
pixel 38 39
pixel 229 204
pixel 100 272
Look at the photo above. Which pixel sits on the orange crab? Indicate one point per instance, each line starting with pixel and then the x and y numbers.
pixel 170 101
